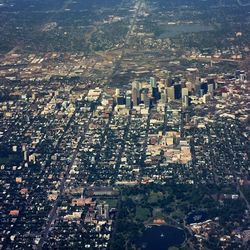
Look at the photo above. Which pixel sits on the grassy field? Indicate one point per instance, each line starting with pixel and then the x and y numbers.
pixel 142 214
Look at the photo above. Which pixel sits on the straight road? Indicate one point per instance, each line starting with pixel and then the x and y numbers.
pixel 53 212
pixel 126 40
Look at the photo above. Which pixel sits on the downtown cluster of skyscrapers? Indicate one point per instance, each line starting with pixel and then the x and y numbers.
pixel 167 90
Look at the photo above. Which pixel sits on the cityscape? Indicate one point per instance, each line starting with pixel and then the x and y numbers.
pixel 124 124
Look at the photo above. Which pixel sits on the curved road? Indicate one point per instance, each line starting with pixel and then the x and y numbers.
pixel 243 4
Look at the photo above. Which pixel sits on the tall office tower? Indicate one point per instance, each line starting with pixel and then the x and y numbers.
pixel 135 85
pixel 197 89
pixel 185 101
pixel 143 95
pixel 147 101
pixel 120 100
pixel 199 80
pixel 184 92
pixel 164 96
pixel 183 83
pixel 192 74
pixel 163 82
pixel 169 82
pixel 145 98
pixel 135 98
pixel 128 99
pixel 153 82
pixel 185 98
pixel 177 91
pixel 154 87
pixel 189 85
pixel 170 92
pixel 117 92
pixel 135 93
pixel 210 89
pixel 155 93
pixel 204 87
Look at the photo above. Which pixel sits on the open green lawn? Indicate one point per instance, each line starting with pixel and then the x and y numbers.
pixel 154 197
pixel 3 160
pixel 142 214
pixel 112 202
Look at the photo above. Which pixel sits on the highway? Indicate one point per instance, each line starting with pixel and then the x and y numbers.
pixel 126 40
